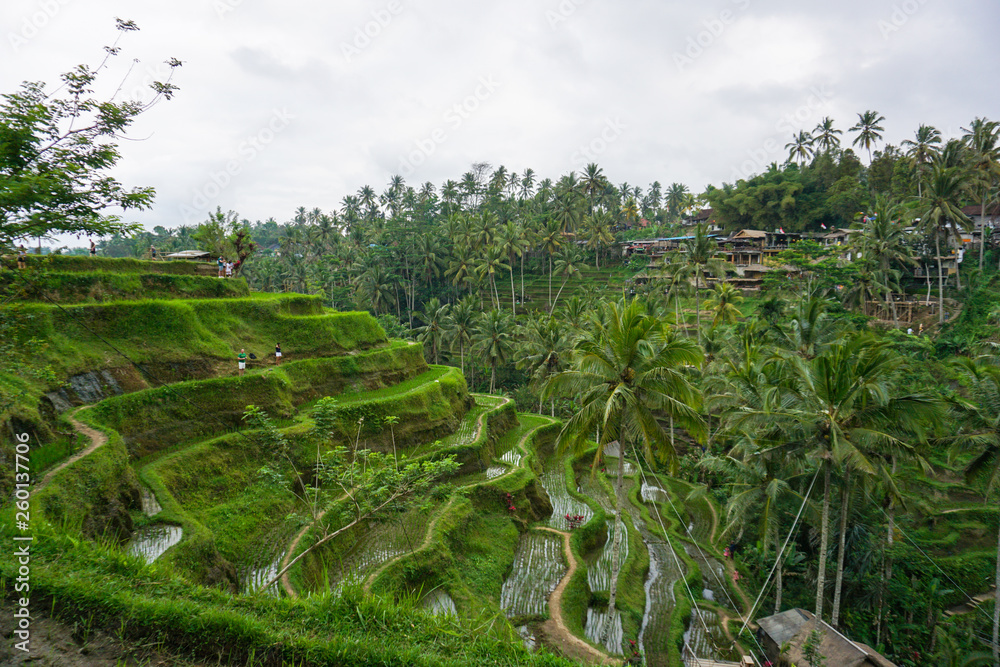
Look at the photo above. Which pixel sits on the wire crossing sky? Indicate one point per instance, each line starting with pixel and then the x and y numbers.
pixel 303 103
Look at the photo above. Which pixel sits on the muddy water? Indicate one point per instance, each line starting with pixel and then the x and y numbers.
pixel 150 506
pixel 594 629
pixel 439 603
pixel 152 541
pixel 554 483
pixel 379 545
pixel 710 644
pixel 599 568
pixel 538 568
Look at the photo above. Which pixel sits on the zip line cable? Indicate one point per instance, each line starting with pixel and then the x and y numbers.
pixel 781 553
pixel 673 552
pixel 681 520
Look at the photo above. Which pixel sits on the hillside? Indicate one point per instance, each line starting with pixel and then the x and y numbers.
pixel 163 510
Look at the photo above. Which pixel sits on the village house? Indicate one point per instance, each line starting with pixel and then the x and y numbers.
pixel 791 629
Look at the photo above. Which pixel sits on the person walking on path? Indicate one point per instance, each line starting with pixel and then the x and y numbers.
pixel 277 353
pixel 229 269
pixel 93 248
pixel 221 265
pixel 22 258
pixel 242 359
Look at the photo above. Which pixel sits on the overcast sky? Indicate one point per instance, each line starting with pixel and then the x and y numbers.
pixel 301 103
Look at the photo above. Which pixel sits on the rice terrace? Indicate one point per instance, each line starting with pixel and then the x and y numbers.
pixel 499 417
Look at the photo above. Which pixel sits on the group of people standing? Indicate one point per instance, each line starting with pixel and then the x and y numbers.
pixel 226 268
pixel 241 358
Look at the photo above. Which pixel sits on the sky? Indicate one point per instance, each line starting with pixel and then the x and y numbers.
pixel 302 103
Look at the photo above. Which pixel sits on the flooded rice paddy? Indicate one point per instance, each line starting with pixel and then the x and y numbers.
pixel 538 567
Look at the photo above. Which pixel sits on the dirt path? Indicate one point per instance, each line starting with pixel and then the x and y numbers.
pixel 433 523
pixel 97 439
pixel 423 545
pixel 555 628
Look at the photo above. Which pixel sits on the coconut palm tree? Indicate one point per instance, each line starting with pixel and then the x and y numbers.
pixel 940 214
pixel 568 265
pixel 982 141
pixel 825 136
pixel 883 242
pixel 489 263
pixel 550 238
pixel 597 232
pixel 677 201
pixel 701 256
pixel 840 409
pixel 435 319
pixel 493 339
pixel 922 149
pixel 544 350
pixel 625 372
pixel 513 242
pixel 460 324
pixel 869 131
pixel 800 148
pixel 725 303
pixel 594 183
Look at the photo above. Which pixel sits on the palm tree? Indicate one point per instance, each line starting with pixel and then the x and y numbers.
pixel 487 266
pixel 839 409
pixel 883 242
pixel 550 238
pixel 700 256
pixel 594 183
pixel 568 265
pixel 460 325
pixel 493 340
pixel 676 201
pixel 725 303
pixel 513 242
pixel 922 149
pixel 597 232
pixel 981 139
pixel 800 148
pixel 869 131
pixel 544 350
pixel 825 136
pixel 625 373
pixel 940 214
pixel 980 419
pixel 435 319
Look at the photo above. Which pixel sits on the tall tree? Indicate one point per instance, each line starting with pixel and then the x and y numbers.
pixel 58 149
pixel 984 152
pixel 800 148
pixel 701 256
pixel 625 372
pixel 825 135
pixel 493 339
pixel 940 214
pixel 922 149
pixel 869 131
